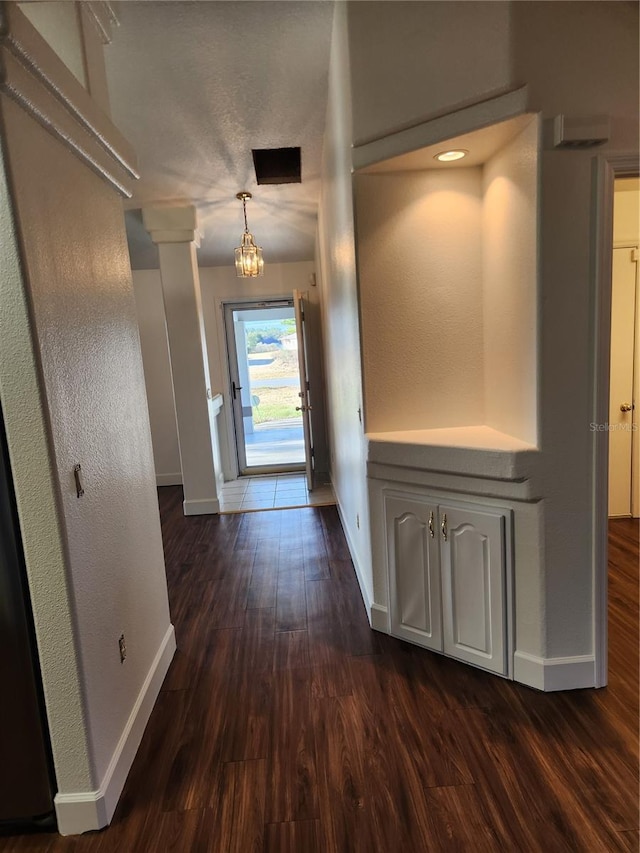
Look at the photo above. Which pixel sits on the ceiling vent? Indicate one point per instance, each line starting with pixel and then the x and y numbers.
pixel 580 132
pixel 277 165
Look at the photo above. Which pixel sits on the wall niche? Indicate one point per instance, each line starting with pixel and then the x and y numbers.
pixel 447 266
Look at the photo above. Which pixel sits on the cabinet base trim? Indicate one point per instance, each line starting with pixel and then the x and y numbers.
pixel 550 674
pixel 379 618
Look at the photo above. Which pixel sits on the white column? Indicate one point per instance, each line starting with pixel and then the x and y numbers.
pixel 174 230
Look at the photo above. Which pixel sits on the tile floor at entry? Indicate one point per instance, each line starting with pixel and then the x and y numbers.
pixel 279 491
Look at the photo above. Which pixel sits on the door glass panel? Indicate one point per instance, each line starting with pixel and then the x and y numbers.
pixel 266 346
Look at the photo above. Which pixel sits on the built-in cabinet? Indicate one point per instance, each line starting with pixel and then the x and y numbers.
pixel 447 569
pixel 447 254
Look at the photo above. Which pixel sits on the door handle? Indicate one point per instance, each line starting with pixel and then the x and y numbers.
pixel 626 407
pixel 431 530
pixel 445 534
pixel 235 388
pixel 304 408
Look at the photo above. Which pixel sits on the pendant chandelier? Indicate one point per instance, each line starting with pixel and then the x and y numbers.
pixel 249 263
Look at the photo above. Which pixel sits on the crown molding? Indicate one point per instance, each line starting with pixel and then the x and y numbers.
pixel 33 76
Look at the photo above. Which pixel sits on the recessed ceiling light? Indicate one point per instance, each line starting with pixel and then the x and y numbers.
pixel 450 156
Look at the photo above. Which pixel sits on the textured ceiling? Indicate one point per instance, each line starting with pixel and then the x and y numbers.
pixel 194 87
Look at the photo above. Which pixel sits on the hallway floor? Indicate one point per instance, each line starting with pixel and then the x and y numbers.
pixel 286 725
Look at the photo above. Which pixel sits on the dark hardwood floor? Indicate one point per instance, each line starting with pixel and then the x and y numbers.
pixel 286 725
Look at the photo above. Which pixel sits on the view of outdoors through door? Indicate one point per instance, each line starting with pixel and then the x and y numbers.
pixel 263 350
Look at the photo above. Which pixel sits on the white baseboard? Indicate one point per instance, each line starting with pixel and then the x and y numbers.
pixel 80 812
pixel 169 479
pixel 204 506
pixel 550 674
pixel 84 811
pixel 376 614
pixel 379 618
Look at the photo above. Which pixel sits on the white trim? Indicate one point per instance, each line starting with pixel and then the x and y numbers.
pixel 169 479
pixel 607 168
pixel 379 618
pixel 356 565
pixel 234 444
pixel 635 438
pixel 202 506
pixel 103 18
pixel 89 810
pixel 37 79
pixel 78 813
pixel 551 674
pixel 491 111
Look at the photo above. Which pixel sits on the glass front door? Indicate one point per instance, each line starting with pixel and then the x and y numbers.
pixel 265 386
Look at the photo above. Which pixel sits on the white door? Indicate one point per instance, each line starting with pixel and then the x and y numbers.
pixel 473 558
pixel 621 398
pixel 414 571
pixel 305 392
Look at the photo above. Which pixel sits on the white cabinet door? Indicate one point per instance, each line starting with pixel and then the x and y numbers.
pixel 472 549
pixel 414 571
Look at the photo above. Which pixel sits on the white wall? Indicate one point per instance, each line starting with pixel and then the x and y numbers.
pixel 79 281
pixel 95 564
pixel 36 489
pixel 413 60
pixel 447 263
pixel 510 286
pixel 420 271
pixel 580 58
pixel 77 32
pixel 337 278
pixel 58 22
pixel 147 288
pixel 219 285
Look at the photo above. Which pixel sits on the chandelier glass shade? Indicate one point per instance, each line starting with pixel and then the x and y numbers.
pixel 249 262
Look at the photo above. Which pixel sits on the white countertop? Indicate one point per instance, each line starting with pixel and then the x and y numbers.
pixel 473 450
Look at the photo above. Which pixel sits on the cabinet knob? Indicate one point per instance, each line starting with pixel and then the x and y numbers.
pixel 443 526
pixel 626 407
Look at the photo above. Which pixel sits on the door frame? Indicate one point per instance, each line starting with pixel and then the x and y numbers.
pixel 227 306
pixel 306 399
pixel 606 169
pixel 635 439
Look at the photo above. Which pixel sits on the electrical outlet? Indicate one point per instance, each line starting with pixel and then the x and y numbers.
pixel 123 648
